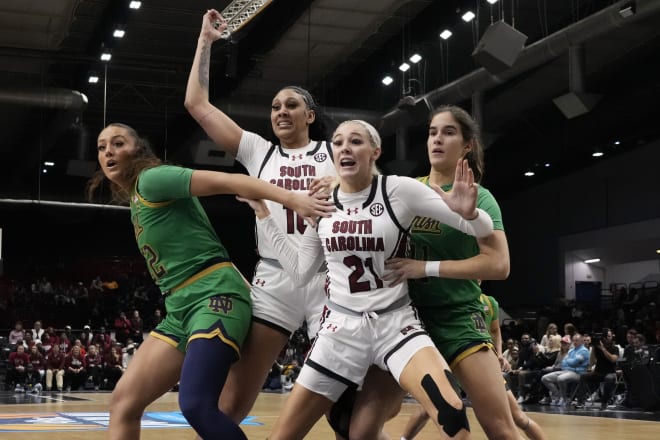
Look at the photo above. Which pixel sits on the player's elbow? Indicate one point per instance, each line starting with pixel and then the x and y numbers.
pixel 502 268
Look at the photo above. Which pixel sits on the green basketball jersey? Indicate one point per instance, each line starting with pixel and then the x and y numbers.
pixel 433 241
pixel 491 308
pixel 172 230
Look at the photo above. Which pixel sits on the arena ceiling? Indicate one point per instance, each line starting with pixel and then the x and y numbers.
pixel 339 49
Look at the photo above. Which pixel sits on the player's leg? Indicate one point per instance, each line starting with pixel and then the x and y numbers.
pixel 415 423
pixel 523 421
pixel 154 370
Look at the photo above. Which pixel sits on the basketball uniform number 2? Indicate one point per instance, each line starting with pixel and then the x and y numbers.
pixel 358 270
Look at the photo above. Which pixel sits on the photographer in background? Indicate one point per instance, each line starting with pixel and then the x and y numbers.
pixel 604 355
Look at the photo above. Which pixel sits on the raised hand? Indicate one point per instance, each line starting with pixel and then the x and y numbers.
pixel 213 24
pixel 462 198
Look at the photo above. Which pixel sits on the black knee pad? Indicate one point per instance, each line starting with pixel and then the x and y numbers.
pixel 339 417
pixel 451 419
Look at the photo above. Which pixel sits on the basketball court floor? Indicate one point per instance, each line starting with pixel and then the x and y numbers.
pixel 73 416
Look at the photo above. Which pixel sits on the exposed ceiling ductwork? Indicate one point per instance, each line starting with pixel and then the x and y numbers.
pixel 52 98
pixel 534 55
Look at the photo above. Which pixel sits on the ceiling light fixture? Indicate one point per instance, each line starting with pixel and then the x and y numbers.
pixel 593 260
pixel 106 56
pixel 597 154
pixel 404 67
pixel 529 173
pixel 387 80
pixel 93 79
pixel 547 165
pixel 468 16
pixel 492 2
pixel 657 251
pixel 49 163
pixel 119 33
pixel 135 5
pixel 415 58
pixel 617 142
pixel 445 34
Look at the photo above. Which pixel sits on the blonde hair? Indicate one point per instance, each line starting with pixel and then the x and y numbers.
pixel 374 138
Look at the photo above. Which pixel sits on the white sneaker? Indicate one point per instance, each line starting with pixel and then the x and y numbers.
pixel 521 399
pixel 545 401
pixel 554 402
pixel 561 402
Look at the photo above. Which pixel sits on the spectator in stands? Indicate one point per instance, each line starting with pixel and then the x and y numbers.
pixel 78 343
pixel 604 355
pixel 510 343
pixel 128 353
pixel 515 357
pixel 17 333
pixel 65 343
pixel 37 331
pixel 123 328
pixel 570 330
pixel 38 362
pixel 52 337
pixel 68 333
pixel 137 327
pixel 32 381
pixel 574 364
pixel 103 340
pixel 94 362
pixel 75 373
pixel 550 331
pixel 45 345
pixel 16 369
pixel 564 344
pixel 86 336
pixel 55 367
pixel 529 372
pixel 113 368
pixel 155 319
pixel 96 286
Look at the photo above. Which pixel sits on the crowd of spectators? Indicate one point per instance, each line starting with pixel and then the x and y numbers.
pixel 585 360
pixel 591 358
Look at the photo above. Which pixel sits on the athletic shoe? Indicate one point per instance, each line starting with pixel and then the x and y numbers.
pixel 521 399
pixel 545 401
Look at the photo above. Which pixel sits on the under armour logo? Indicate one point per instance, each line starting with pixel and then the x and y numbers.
pixel 296 156
pixel 348 211
pixel 260 282
pixel 408 329
pixel 332 327
pixel 221 302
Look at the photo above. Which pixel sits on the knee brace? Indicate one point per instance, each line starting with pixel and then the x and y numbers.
pixel 451 419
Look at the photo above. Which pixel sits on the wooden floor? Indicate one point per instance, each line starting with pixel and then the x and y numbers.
pixel 47 423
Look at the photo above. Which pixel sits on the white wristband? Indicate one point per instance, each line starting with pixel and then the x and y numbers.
pixel 432 269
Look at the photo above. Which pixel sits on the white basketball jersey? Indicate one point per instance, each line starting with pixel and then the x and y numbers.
pixel 292 169
pixel 356 241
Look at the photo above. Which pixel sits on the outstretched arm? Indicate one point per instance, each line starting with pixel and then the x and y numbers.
pixel 301 262
pixel 207 183
pixel 217 125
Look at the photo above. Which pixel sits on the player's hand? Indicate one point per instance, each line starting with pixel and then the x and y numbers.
pixel 462 198
pixel 321 184
pixel 259 206
pixel 213 24
pixel 402 269
pixel 504 364
pixel 312 207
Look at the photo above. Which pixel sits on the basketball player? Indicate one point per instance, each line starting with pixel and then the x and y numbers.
pixel 491 314
pixel 207 300
pixel 279 308
pixel 365 321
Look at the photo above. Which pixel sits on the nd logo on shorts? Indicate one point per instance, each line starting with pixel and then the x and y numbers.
pixel 221 303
